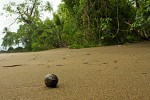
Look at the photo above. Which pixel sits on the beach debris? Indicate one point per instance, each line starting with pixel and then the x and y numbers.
pixel 105 63
pixel 88 54
pixel 115 61
pixel 143 73
pixel 11 65
pixel 86 63
pixel 51 80
pixel 59 65
pixel 48 66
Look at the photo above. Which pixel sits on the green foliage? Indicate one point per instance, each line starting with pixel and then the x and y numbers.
pixel 142 20
pixel 19 49
pixel 75 46
pixel 78 23
pixel 99 21
pixel 31 30
pixel 11 38
pixel 10 49
pixel 132 38
pixel 48 7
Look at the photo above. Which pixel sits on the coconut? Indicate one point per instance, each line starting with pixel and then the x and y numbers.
pixel 51 80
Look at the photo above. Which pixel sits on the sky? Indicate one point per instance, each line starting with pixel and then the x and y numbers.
pixel 6 21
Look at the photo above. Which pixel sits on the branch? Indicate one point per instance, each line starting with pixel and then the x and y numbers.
pixel 118 19
pixel 14 21
pixel 11 65
pixel 24 19
pixel 33 7
pixel 128 24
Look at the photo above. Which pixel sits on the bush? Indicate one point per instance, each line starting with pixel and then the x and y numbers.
pixel 10 49
pixel 19 49
pixel 75 46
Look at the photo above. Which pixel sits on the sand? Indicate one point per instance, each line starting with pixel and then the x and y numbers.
pixel 120 72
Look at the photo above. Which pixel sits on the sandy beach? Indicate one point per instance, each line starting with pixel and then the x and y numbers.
pixel 120 72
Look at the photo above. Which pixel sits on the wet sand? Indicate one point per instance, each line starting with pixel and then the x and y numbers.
pixel 120 72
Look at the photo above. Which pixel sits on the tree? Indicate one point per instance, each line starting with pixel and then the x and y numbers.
pixel 79 23
pixel 10 38
pixel 142 20
pixel 101 21
pixel 29 15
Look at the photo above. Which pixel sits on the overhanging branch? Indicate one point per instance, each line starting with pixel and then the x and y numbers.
pixel 14 21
